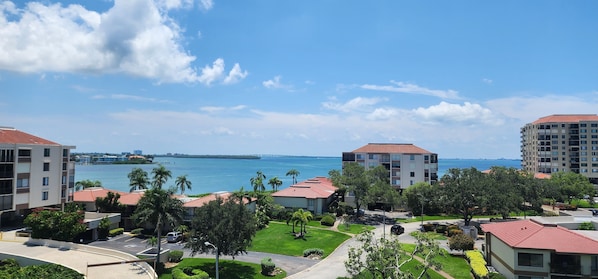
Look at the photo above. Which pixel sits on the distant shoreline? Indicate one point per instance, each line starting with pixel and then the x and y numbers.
pixel 250 157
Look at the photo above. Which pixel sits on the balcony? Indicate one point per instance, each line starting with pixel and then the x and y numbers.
pixel 565 264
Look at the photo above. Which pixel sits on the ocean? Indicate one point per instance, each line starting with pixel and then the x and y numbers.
pixel 209 175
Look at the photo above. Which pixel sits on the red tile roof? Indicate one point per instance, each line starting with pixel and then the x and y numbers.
pixel 13 136
pixel 199 202
pixel 528 234
pixel 131 198
pixel 566 118
pixel 391 148
pixel 315 188
pixel 90 194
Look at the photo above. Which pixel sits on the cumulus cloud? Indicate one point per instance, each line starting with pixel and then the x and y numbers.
pixel 134 37
pixel 356 104
pixel 467 113
pixel 404 87
pixel 275 83
pixel 235 75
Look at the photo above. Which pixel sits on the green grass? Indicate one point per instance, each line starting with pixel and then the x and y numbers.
pixel 411 267
pixel 456 266
pixel 354 228
pixel 228 269
pixel 278 239
pixel 433 235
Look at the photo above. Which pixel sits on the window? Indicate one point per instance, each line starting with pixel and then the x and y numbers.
pixel 46 152
pixel 65 153
pixel 412 157
pixel 64 165
pixel 63 179
pixel 24 152
pixel 7 155
pixel 529 259
pixel 44 195
pixel 46 166
pixel 23 183
pixel 46 181
pixel 412 174
pixel 310 202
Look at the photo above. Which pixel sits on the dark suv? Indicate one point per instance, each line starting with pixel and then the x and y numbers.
pixel 397 229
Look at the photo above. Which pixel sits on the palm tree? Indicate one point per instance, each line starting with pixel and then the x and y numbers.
pixel 275 183
pixel 293 173
pixel 138 179
pixel 87 183
pixel 258 182
pixel 158 207
pixel 302 217
pixel 161 175
pixel 182 183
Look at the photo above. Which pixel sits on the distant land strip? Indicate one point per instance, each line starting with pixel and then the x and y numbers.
pixel 211 156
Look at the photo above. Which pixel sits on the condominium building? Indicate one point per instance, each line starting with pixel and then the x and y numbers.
pixel 34 172
pixel 561 142
pixel 407 164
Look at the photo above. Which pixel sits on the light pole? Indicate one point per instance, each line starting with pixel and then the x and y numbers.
pixel 210 244
pixel 422 200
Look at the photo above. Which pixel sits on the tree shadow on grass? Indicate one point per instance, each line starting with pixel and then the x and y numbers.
pixel 228 270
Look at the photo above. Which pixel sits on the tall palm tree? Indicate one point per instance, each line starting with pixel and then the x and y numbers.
pixel 293 173
pixel 275 183
pixel 138 179
pixel 182 183
pixel 158 207
pixel 258 182
pixel 302 217
pixel 161 175
pixel 87 183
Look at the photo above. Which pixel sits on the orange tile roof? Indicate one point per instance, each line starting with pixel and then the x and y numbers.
pixel 14 136
pixel 391 148
pixel 315 188
pixel 90 194
pixel 566 118
pixel 529 234
pixel 131 198
pixel 199 202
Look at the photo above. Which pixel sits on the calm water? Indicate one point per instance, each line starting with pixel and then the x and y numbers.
pixel 211 175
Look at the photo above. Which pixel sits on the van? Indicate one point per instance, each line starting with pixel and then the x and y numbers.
pixel 174 236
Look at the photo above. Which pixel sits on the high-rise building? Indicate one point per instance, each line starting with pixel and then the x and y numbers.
pixel 34 172
pixel 407 164
pixel 561 143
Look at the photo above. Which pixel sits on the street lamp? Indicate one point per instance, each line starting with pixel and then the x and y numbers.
pixel 210 244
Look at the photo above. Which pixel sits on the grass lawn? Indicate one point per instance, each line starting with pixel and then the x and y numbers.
pixel 456 266
pixel 433 235
pixel 278 239
pixel 354 228
pixel 228 269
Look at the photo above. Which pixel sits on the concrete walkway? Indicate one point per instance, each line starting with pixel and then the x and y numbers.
pixel 77 257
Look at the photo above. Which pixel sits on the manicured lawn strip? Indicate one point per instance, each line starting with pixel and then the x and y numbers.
pixel 278 239
pixel 411 267
pixel 228 269
pixel 456 266
pixel 433 235
pixel 354 228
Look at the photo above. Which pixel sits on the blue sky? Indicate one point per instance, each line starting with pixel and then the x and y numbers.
pixel 459 78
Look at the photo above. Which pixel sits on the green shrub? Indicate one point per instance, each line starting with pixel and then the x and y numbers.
pixel 429 227
pixel 268 266
pixel 137 231
pixel 477 263
pixel 313 251
pixel 494 275
pixel 115 232
pixel 453 232
pixel 327 220
pixel 586 226
pixel 175 256
pixel 189 273
pixel 441 229
pixel 461 242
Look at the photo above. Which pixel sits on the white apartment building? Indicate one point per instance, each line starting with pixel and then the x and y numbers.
pixel 34 172
pixel 407 164
pixel 561 142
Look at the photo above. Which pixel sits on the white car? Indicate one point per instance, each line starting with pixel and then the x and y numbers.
pixel 174 236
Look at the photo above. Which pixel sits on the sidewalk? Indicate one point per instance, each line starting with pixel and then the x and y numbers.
pixel 76 259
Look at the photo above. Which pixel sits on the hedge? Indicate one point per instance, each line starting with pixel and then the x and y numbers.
pixel 327 220
pixel 137 231
pixel 115 232
pixel 477 263
pixel 312 251
pixel 268 266
pixel 175 256
pixel 183 273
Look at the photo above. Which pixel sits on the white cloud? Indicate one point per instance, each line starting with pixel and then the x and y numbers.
pixel 235 75
pixel 467 113
pixel 212 109
pixel 404 87
pixel 135 37
pixel 275 83
pixel 210 74
pixel 487 80
pixel 353 105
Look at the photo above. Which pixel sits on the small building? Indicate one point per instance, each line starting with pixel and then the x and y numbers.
pixel 314 194
pixel 87 197
pixel 190 204
pixel 530 248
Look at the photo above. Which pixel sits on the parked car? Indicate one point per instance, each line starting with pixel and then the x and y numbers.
pixel 397 229
pixel 174 236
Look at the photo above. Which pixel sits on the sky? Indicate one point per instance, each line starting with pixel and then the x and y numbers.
pixel 314 78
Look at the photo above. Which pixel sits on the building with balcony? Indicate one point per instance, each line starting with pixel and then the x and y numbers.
pixel 561 143
pixel 34 172
pixel 526 249
pixel 407 164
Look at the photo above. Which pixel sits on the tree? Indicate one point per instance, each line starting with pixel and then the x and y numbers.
pixel 573 185
pixel 229 225
pixel 103 228
pixel 461 242
pixel 54 224
pixel 109 203
pixel 182 183
pixel 161 175
pixel 421 195
pixel 87 183
pixel 275 183
pixel 294 174
pixel 380 191
pixel 258 182
pixel 138 179
pixel 159 208
pixel 506 188
pixel 355 181
pixel 302 217
pixel 463 191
